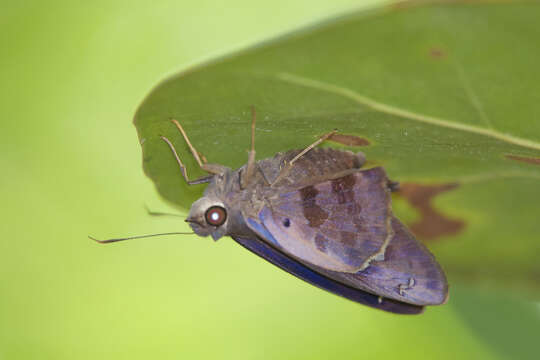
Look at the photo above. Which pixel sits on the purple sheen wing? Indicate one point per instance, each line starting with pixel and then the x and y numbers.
pixel 408 273
pixel 276 257
pixel 405 259
pixel 339 224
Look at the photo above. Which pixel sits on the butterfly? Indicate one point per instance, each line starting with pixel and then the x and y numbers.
pixel 318 214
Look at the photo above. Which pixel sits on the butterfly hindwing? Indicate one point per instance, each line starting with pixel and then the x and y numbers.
pixel 276 257
pixel 409 272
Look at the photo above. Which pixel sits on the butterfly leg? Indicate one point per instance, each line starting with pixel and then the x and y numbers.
pixel 248 174
pixel 290 164
pixel 209 168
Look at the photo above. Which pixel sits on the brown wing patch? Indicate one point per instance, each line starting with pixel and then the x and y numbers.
pixel 432 224
pixel 342 188
pixel 313 212
pixel 525 159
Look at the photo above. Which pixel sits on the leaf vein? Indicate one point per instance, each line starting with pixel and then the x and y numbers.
pixel 392 110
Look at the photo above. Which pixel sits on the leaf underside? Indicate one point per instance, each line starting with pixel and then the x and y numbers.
pixel 444 96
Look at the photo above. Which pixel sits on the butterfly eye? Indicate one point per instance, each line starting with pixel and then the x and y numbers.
pixel 216 215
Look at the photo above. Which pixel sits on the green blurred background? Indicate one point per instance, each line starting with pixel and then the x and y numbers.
pixel 72 75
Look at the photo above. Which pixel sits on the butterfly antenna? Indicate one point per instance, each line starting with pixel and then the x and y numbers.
pixel 106 241
pixel 159 213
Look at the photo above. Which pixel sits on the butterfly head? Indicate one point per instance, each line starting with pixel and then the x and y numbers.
pixel 213 215
pixel 208 216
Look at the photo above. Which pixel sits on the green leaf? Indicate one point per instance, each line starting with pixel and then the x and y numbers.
pixel 446 94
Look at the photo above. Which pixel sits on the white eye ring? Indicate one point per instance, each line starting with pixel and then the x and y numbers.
pixel 215 215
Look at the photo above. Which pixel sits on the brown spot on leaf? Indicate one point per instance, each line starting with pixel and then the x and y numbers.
pixel 528 160
pixel 432 224
pixel 400 5
pixel 437 53
pixel 349 140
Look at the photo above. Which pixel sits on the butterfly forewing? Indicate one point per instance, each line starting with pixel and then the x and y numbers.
pixel 339 224
pixel 344 229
